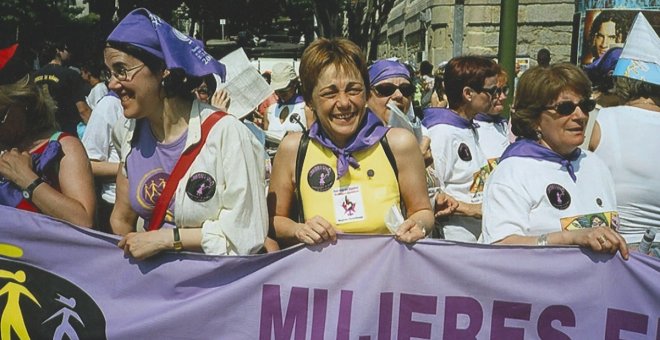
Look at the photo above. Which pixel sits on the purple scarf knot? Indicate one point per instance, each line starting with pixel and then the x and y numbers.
pixel 370 132
pixel 528 148
pixel 499 120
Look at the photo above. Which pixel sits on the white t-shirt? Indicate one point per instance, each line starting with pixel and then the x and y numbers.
pixel 96 94
pixel 493 138
pixel 462 169
pixel 528 197
pixel 98 137
pixel 274 123
pixel 629 143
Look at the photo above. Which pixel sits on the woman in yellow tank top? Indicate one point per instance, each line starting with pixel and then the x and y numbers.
pixel 352 169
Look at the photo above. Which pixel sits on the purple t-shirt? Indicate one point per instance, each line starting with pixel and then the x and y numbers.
pixel 148 166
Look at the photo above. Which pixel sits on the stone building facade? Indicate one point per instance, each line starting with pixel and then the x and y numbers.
pixel 436 30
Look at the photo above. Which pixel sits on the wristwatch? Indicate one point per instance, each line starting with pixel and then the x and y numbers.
pixel 178 245
pixel 27 192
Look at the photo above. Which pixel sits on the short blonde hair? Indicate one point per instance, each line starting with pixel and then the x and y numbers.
pixel 40 106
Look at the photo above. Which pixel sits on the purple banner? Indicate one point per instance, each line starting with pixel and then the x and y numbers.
pixel 57 280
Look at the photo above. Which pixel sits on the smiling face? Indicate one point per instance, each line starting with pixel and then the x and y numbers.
pixel 339 102
pixel 563 134
pixel 140 92
pixel 378 102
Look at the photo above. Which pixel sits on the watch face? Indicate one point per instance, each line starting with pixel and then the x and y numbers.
pixel 26 194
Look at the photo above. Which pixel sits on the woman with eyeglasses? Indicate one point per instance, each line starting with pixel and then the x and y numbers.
pixel 349 171
pixel 544 181
pixel 493 129
pixel 471 86
pixel 41 168
pixel 218 205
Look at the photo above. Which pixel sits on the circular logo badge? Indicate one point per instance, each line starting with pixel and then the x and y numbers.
pixel 321 177
pixel 200 187
pixel 558 196
pixel 464 152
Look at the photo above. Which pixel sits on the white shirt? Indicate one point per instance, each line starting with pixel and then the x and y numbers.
pixel 274 123
pixel 493 138
pixel 459 177
pixel 234 220
pixel 97 139
pixel 528 197
pixel 629 145
pixel 96 94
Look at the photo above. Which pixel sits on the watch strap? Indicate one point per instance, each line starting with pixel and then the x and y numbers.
pixel 178 245
pixel 29 190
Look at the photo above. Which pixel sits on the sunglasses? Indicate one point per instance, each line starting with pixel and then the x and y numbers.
pixel 495 91
pixel 387 89
pixel 567 108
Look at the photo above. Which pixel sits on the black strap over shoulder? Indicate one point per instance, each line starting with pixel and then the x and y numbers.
pixel 390 155
pixel 300 160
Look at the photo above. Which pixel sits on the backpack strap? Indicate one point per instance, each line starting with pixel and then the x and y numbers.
pixel 300 160
pixel 390 155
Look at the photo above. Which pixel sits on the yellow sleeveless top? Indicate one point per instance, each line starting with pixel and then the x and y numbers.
pixel 359 201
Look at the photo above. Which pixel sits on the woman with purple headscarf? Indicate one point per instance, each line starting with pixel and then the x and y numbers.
pixel 219 205
pixel 350 172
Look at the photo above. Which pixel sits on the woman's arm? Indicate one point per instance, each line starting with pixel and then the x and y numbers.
pixel 76 200
pixel 412 186
pixel 599 239
pixel 281 198
pixel 123 218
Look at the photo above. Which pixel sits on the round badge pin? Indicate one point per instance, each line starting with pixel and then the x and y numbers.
pixel 464 152
pixel 321 177
pixel 200 187
pixel 558 196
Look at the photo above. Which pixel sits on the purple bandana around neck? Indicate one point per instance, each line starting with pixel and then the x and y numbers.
pixel 370 132
pixel 531 149
pixel 147 31
pixel 437 115
pixel 483 117
pixel 386 69
pixel 296 99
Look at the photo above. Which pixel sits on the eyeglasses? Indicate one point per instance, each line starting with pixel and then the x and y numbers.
pixel 388 89
pixel 568 107
pixel 202 91
pixel 495 91
pixel 122 73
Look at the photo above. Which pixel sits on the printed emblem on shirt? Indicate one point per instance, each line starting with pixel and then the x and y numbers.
pixel 348 204
pixel 602 219
pixel 479 177
pixel 200 187
pixel 321 177
pixel 149 190
pixel 464 152
pixel 558 196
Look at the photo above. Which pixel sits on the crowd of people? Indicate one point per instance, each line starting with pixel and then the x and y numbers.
pixel 149 152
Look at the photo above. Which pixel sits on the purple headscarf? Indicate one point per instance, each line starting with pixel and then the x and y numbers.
pixel 386 69
pixel 147 31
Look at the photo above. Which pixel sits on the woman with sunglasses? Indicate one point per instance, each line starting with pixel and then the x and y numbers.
pixel 349 171
pixel 391 85
pixel 460 166
pixel 493 129
pixel 218 205
pixel 41 169
pixel 544 181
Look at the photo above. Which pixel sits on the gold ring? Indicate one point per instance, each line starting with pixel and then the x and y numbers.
pixel 602 239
